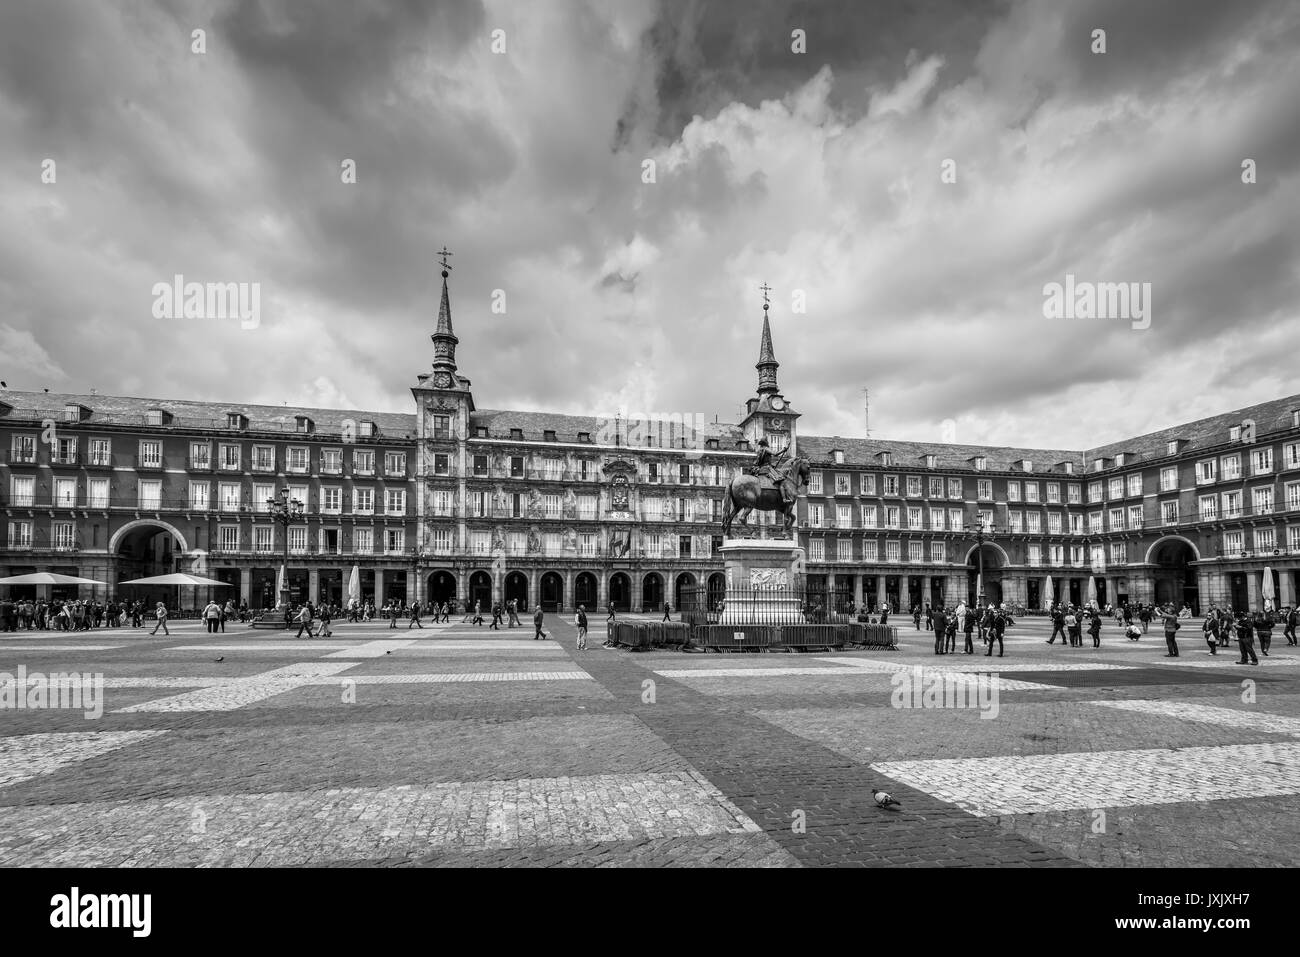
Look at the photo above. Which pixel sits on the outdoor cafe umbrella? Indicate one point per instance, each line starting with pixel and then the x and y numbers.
pixel 1047 594
pixel 1092 591
pixel 1268 589
pixel 177 578
pixel 354 584
pixel 48 578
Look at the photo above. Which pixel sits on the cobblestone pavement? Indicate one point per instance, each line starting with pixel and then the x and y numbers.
pixel 460 746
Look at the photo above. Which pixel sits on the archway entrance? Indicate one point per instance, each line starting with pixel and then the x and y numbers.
pixel 652 592
pixel 552 592
pixel 517 589
pixel 684 580
pixel 620 592
pixel 717 589
pixel 142 552
pixel 1175 575
pixel 480 591
pixel 441 587
pixel 992 575
pixel 584 591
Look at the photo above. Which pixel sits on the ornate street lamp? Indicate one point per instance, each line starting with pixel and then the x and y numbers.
pixel 982 531
pixel 285 510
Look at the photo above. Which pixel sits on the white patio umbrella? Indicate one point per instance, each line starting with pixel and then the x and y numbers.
pixel 1092 590
pixel 1047 594
pixel 1268 592
pixel 354 584
pixel 177 578
pixel 281 582
pixel 48 578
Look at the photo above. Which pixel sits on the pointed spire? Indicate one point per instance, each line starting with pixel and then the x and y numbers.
pixel 767 364
pixel 444 340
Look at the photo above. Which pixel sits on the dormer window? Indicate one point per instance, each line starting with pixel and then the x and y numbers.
pixel 1174 446
pixel 517 434
pixel 1234 434
pixel 980 462
pixel 838 455
pixel 548 435
pixel 711 443
pixel 1120 457
pixel 72 412
pixel 743 445
pixel 929 461
pixel 157 417
pixel 303 423
pixel 236 420
pixel 366 429
pixel 886 458
pixel 584 436
pixel 1026 465
pixel 1066 467
pixel 1295 418
pixel 1098 464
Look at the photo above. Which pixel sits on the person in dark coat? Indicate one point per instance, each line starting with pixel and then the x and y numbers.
pixel 538 619
pixel 997 625
pixel 1264 630
pixel 969 627
pixel 1170 619
pixel 1094 628
pixel 940 632
pixel 1292 619
pixel 1246 639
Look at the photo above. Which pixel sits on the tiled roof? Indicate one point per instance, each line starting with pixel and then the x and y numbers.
pixel 905 455
pixel 1270 416
pixel 124 410
pixel 566 427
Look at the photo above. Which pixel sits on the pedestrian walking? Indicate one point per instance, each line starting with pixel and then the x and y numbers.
pixel 160 613
pixel 968 626
pixel 1058 626
pixel 496 616
pixel 939 622
pixel 538 619
pixel 667 614
pixel 415 616
pixel 1094 628
pixel 326 617
pixel 916 617
pixel 580 619
pixel 304 621
pixel 212 616
pixel 1264 630
pixel 1246 640
pixel 1210 628
pixel 1170 619
pixel 478 613
pixel 1292 618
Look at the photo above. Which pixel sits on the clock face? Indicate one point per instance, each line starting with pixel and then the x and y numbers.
pixel 778 403
pixel 442 380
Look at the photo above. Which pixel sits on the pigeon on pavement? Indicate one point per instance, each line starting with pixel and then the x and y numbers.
pixel 221 659
pixel 883 799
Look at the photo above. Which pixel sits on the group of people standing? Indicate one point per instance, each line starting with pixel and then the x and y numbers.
pixel 989 621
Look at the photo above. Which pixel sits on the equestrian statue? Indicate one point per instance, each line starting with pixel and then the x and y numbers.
pixel 771 484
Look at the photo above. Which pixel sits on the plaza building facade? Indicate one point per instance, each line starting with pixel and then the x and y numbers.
pixel 459 503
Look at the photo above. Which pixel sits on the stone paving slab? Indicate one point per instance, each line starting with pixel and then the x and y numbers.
pixel 32 755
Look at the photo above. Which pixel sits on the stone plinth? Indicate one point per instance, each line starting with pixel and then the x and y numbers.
pixel 764 582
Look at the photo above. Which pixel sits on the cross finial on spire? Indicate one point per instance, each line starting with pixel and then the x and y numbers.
pixel 766 289
pixel 446 267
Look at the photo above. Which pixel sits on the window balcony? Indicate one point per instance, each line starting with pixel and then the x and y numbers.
pixel 67 458
pixel 98 461
pixel 150 462
pixel 200 465
pixel 21 457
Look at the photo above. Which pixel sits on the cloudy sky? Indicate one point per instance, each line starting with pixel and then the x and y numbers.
pixel 817 172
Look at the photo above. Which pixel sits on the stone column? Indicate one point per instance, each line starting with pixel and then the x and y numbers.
pixel 857 591
pixel 880 590
pixel 245 586
pixel 379 588
pixel 602 588
pixel 313 585
pixel 534 588
pixel 1285 588
pixel 570 600
pixel 1254 594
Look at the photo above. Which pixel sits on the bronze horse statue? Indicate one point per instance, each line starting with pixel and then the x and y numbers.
pixel 748 492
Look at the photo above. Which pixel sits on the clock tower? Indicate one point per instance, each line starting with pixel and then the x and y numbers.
pixel 768 415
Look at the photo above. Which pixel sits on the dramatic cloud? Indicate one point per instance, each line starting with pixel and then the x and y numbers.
pixel 911 182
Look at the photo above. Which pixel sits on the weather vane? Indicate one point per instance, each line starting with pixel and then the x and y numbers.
pixel 446 267
pixel 766 289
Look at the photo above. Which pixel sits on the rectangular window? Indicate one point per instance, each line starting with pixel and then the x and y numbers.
pixel 914 486
pixel 517 468
pixel 1207 471
pixel 65 493
pixel 1169 479
pixel 868 483
pixel 1034 522
pixel 1054 523
pixel 844 549
pixel 20 534
pixel 200 455
pixel 1035 555
pixel 1117 556
pixel 893 550
pixel 480 465
pixel 1232 505
pixel 1209 508
pixel 66 452
pixel 231 496
pixel 442 427
pixel 1169 512
pixel 1094 491
pixel 1115 488
pixel 954 488
pixel 1116 519
pixel 936 487
pixel 1293 538
pixel 200 496
pixel 150 494
pixel 23 448
pixel 1031 492
pixel 440 541
pixel 1135 517
pixel 892 517
pixel 229 457
pixel 263 538
pixel 1231 467
pixel 843 485
pixel 263 458
pixel 914 517
pixel 1094 523
pixel 938 553
pixel 1292 495
pixel 331 461
pixel 814 516
pixel 1262 500
pixel 299 460
pixel 844 516
pixel 150 454
pixel 228 537
pixel 363 501
pixel 1261 461
pixel 937 519
pixel 100 452
pixel 62 536
pixel 395 501
pixel 331 499
pixel 97 496
pixel 1016 520
pixel 395 463
pixel 916 552
pixel 870 550
pixel 1076 523
pixel 814 483
pixel 985 518
pixel 1135 484
pixel 891 485
pixel 956 520
pixel 297 538
pixel 1053 493
pixel 1074 494
pixel 1013 491
pixel 1291 455
pixel 1234 543
pixel 363 462
pixel 364 541
pixel 816 550
pixel 1265 539
pixel 868 516
pixel 984 489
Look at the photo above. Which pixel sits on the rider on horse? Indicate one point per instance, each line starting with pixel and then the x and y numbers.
pixel 765 464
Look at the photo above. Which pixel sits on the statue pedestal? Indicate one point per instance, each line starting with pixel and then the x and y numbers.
pixel 764 582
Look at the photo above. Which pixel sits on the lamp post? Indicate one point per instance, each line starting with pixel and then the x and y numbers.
pixel 285 510
pixel 982 530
